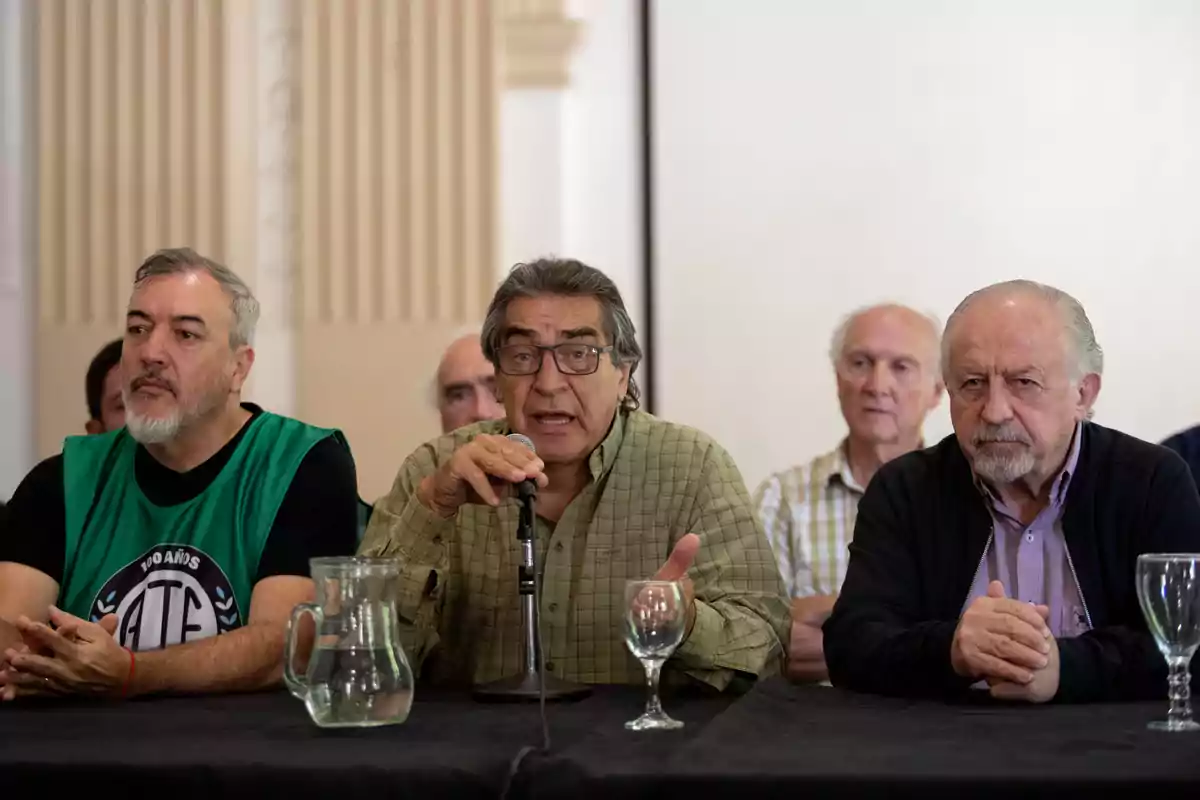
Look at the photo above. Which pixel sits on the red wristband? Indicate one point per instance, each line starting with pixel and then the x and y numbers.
pixel 132 670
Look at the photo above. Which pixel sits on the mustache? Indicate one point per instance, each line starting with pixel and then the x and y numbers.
pixel 151 379
pixel 996 434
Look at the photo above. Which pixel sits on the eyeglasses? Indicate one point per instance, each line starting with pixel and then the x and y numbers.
pixel 572 358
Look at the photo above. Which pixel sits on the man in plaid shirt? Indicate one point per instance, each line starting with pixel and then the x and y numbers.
pixel 885 361
pixel 622 495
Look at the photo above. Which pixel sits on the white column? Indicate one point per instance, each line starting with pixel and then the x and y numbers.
pixel 531 175
pixel 601 154
pixel 537 42
pixel 16 244
pixel 274 120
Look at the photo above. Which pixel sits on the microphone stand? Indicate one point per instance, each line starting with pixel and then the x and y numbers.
pixel 528 684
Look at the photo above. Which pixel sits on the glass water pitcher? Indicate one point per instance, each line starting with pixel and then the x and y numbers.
pixel 357 674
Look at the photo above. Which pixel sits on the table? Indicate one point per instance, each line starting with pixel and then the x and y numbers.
pixel 264 746
pixel 777 741
pixel 784 741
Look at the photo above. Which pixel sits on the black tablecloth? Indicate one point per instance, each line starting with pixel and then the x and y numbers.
pixel 264 745
pixel 787 741
pixel 777 741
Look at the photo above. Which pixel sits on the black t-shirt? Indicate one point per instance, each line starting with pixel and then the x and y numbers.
pixel 318 515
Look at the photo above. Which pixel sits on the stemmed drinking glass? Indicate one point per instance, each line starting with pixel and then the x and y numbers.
pixel 655 616
pixel 1168 589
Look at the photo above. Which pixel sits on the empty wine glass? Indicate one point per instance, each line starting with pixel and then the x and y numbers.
pixel 1168 590
pixel 655 616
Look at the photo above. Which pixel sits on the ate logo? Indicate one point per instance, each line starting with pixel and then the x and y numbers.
pixel 170 595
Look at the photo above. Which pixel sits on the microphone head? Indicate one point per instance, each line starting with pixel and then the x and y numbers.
pixel 521 438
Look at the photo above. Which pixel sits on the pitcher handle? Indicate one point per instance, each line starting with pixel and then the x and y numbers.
pixel 296 683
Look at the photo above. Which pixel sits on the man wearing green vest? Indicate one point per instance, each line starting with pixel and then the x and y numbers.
pixel 167 556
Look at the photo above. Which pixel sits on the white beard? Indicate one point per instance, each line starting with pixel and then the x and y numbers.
pixel 153 430
pixel 160 430
pixel 1003 468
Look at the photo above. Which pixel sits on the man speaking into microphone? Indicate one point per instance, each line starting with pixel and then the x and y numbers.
pixel 621 495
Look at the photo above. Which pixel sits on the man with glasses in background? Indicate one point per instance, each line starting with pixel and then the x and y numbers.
pixel 621 496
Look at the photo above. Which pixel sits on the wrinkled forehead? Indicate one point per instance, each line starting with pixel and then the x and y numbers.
pixel 892 334
pixel 464 361
pixel 546 319
pixel 1008 338
pixel 193 294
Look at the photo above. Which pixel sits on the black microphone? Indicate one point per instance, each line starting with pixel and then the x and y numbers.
pixel 528 487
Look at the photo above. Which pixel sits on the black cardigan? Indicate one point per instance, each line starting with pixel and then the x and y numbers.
pixel 921 531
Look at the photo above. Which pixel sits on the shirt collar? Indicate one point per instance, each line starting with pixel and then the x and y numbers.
pixel 1063 481
pixel 835 466
pixel 605 455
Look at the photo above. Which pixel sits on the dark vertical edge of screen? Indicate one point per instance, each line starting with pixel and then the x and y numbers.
pixel 646 74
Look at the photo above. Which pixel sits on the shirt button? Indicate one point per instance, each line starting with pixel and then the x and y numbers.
pixel 1029 537
pixel 550 666
pixel 558 547
pixel 553 607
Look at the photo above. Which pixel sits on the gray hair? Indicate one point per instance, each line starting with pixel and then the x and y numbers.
pixel 1089 357
pixel 570 278
pixel 837 343
pixel 178 260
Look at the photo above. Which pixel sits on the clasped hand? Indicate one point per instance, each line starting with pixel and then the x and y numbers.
pixel 73 657
pixel 1008 644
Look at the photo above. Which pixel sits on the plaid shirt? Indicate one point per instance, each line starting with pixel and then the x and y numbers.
pixel 652 482
pixel 808 514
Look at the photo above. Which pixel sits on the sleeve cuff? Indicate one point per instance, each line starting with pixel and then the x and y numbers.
pixel 706 631
pixel 417 539
pixel 694 656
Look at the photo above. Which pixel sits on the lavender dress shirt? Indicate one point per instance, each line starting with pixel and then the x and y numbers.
pixel 1032 561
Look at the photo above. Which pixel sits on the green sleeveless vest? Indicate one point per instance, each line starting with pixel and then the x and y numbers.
pixel 177 573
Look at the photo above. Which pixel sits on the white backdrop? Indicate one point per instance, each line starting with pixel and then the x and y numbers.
pixel 816 155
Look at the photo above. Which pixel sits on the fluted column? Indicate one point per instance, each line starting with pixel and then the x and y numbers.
pixel 396 196
pixel 130 158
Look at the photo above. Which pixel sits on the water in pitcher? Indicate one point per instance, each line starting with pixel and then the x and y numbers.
pixel 357 687
pixel 357 674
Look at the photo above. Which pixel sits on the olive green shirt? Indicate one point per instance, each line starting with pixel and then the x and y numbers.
pixel 651 483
